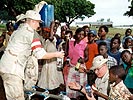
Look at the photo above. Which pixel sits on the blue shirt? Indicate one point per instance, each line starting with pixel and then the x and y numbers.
pixel 116 55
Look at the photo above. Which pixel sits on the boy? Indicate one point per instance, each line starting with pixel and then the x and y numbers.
pixel 102 49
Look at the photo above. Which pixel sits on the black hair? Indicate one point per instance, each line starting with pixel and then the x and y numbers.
pixel 125 51
pixel 117 35
pixel 78 30
pixel 86 26
pixel 69 31
pixel 118 70
pixel 125 43
pixel 127 30
pixel 119 41
pixel 8 25
pixel 105 28
pixel 126 40
pixel 102 44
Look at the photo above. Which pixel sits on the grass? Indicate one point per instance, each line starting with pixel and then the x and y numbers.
pixel 111 33
pixel 2 28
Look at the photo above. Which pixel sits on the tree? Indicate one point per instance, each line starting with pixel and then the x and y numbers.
pixel 9 9
pixel 69 10
pixel 65 10
pixel 108 20
pixel 130 12
pixel 102 20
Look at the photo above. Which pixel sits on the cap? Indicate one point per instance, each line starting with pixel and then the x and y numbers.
pixel 33 15
pixel 129 37
pixel 98 61
pixel 94 32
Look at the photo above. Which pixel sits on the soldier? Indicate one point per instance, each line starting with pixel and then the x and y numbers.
pixel 23 43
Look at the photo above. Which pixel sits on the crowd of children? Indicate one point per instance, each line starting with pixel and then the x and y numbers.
pixel 86 44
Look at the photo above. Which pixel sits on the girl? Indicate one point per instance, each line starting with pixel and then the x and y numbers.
pixel 127 58
pixel 50 77
pixel 77 48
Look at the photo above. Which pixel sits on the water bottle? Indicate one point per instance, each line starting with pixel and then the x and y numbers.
pixel 67 60
pixel 88 89
pixel 60 61
pixel 78 64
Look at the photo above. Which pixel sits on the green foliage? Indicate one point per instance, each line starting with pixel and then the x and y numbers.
pixel 69 10
pixel 130 12
pixel 65 10
pixel 9 9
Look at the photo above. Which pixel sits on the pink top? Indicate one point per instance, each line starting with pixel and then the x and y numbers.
pixel 77 51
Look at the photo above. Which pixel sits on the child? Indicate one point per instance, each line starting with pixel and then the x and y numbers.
pixel 127 44
pixel 92 52
pixel 102 33
pixel 92 47
pixel 127 58
pixel 77 48
pixel 118 89
pixel 114 49
pixel 86 29
pixel 128 32
pixel 50 77
pixel 117 35
pixel 102 48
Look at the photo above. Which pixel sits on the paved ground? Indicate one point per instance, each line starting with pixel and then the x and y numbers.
pixel 2 92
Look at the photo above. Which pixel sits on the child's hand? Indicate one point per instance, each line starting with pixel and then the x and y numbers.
pixel 74 86
pixel 90 98
pixel 82 70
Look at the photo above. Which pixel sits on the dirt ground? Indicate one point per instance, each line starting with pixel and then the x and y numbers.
pixel 2 91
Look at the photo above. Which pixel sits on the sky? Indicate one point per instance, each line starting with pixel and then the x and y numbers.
pixel 113 9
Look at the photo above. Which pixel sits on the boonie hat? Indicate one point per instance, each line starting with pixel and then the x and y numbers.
pixel 20 17
pixel 33 15
pixel 98 61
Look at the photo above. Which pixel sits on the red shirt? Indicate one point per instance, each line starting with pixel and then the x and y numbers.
pixel 93 51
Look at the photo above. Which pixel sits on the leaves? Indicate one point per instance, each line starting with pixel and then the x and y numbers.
pixel 130 12
pixel 64 10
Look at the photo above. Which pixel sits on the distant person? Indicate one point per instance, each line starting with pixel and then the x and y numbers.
pixel 128 32
pixel 58 26
pixel 10 29
pixel 117 35
pixel 2 47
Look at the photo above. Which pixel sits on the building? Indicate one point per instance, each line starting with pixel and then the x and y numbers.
pixel 94 24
